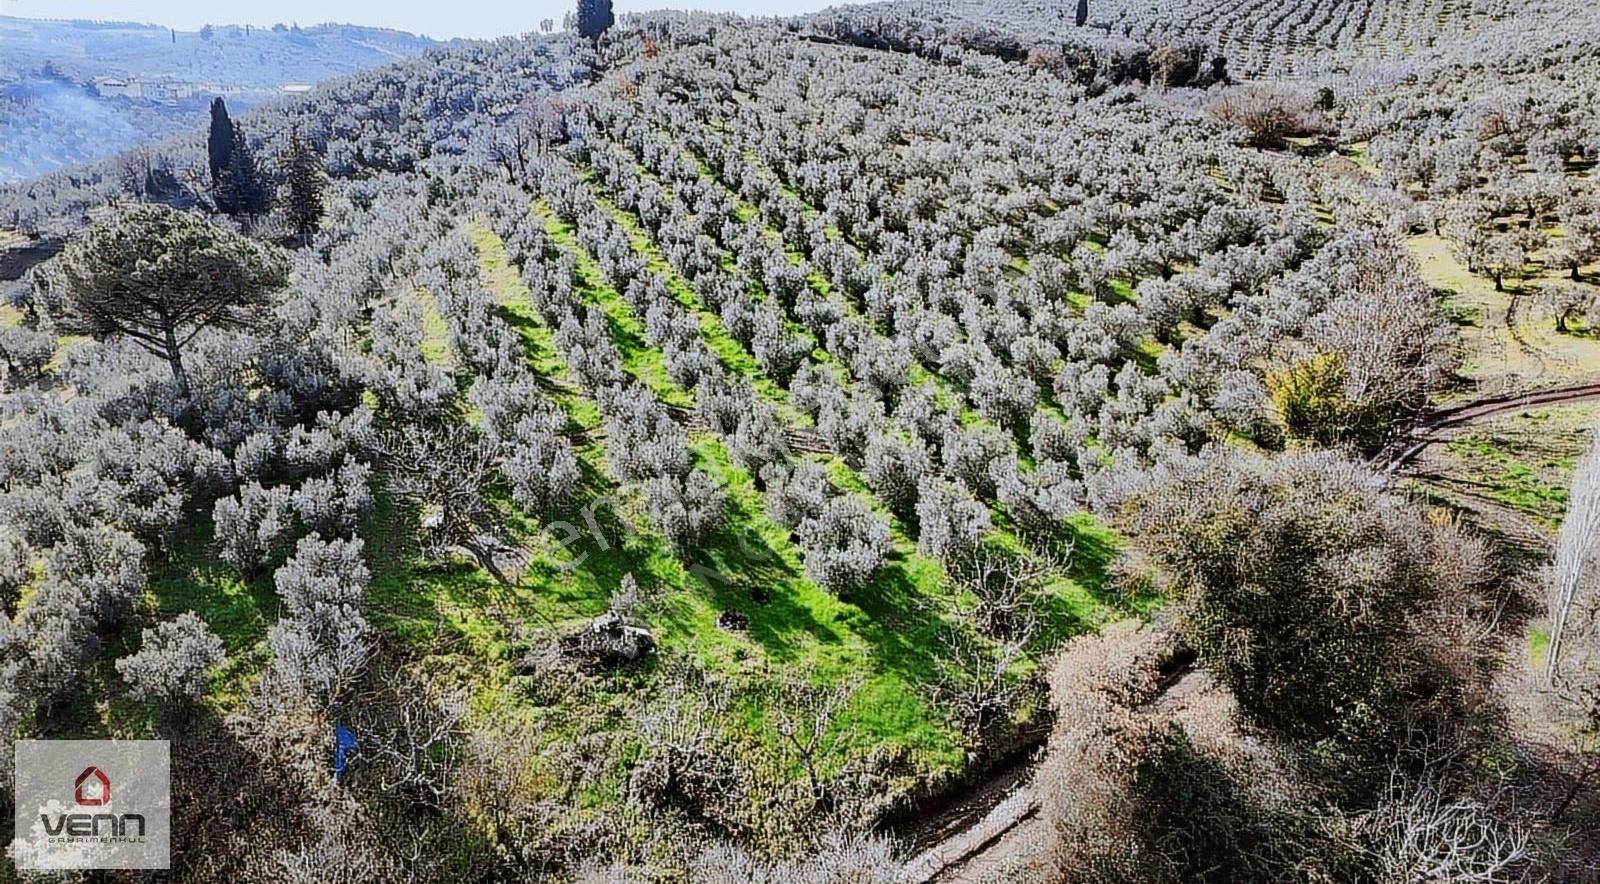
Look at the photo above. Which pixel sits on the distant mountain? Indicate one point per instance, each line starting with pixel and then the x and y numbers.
pixel 72 91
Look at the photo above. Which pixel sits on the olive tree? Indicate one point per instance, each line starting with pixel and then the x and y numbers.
pixel 172 662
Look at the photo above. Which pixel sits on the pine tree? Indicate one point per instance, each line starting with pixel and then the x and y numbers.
pixel 302 170
pixel 1083 13
pixel 206 277
pixel 595 17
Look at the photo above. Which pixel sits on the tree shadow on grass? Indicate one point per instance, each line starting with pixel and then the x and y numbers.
pixel 743 572
pixel 903 624
pixel 1094 548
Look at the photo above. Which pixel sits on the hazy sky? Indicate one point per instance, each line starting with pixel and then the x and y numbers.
pixel 440 19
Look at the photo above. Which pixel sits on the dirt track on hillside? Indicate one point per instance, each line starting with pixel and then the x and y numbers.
pixel 1443 423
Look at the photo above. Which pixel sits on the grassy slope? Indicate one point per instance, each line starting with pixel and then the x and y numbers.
pixel 1069 605
pixel 456 621
pixel 800 627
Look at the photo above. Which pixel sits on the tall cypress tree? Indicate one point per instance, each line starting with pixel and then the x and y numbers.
pixel 1083 12
pixel 242 191
pixel 595 17
pixel 219 143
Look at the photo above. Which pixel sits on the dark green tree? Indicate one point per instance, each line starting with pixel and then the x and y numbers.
pixel 1303 587
pixel 158 276
pixel 302 172
pixel 242 190
pixel 595 17
pixel 219 143
pixel 1082 16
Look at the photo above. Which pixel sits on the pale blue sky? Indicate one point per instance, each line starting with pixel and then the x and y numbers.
pixel 440 19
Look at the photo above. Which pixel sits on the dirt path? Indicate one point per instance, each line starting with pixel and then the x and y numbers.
pixel 1011 829
pixel 1444 422
pixel 974 826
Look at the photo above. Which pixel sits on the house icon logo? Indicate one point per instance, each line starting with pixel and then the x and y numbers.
pixel 92 788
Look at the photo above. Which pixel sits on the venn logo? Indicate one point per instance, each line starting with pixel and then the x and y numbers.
pixel 92 788
pixel 91 804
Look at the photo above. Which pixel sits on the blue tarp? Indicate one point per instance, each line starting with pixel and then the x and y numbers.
pixel 344 743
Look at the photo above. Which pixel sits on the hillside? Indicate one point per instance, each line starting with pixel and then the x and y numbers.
pixel 713 451
pixel 73 91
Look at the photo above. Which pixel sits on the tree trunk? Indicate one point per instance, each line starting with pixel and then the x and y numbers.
pixel 175 359
pixel 1572 792
pixel 485 557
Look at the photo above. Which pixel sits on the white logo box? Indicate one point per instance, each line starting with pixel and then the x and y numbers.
pixel 92 804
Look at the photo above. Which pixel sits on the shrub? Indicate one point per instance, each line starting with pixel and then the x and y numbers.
pixel 1269 115
pixel 24 352
pixel 950 522
pixel 1311 403
pixel 1300 585
pixel 252 528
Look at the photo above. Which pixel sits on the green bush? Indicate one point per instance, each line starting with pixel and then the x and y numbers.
pixel 1312 404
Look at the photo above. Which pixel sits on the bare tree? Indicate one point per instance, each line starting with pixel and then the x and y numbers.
pixel 1574 548
pixel 1007 585
pixel 1416 833
pixel 415 741
pixel 442 471
pixel 527 135
pixel 975 679
pixel 805 717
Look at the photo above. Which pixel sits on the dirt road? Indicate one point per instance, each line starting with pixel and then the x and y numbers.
pixel 1443 423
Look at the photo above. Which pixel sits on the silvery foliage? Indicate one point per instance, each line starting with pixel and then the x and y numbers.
pixel 173 660
pixel 642 439
pixel 686 509
pixel 794 492
pixel 92 578
pixel 16 566
pixel 337 502
pixel 845 545
pixel 24 352
pixel 322 640
pixel 537 460
pixel 893 466
pixel 253 526
pixel 951 523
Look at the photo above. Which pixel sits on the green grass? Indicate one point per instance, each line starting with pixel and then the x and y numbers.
pixel 639 359
pixel 435 333
pixel 1525 461
pixel 1508 478
pixel 1538 645
pixel 451 620
pixel 1357 152
pixel 718 339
